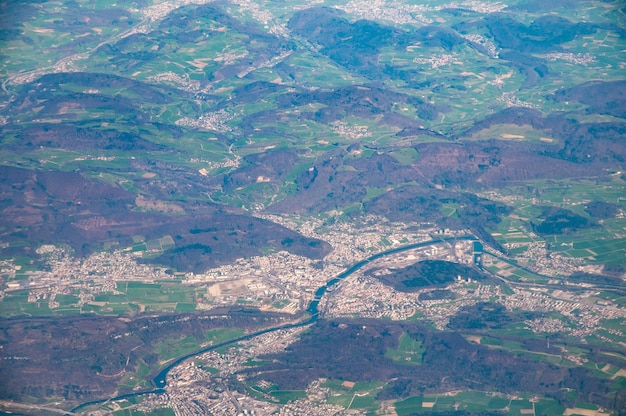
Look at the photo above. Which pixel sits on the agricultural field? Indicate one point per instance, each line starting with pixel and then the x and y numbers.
pixel 602 242
pixel 475 402
pixel 353 395
pixel 168 161
pixel 409 351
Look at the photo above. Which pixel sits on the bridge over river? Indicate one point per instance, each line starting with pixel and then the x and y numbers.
pixel 160 381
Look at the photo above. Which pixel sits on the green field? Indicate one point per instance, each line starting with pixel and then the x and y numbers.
pixel 134 297
pixel 475 402
pixel 602 243
pixel 409 351
pixel 175 347
pixel 177 112
pixel 220 335
pixel 285 396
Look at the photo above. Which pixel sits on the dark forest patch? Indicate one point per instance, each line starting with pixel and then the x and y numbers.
pixel 425 274
pixel 557 221
pixel 355 350
pixel 483 315
pixel 81 358
pixel 600 97
pixel 208 241
pixel 601 209
pixel 272 166
pixel 64 207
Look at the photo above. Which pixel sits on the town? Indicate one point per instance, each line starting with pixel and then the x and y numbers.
pixel 286 282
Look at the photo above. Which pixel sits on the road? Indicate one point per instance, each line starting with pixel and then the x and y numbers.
pixel 160 381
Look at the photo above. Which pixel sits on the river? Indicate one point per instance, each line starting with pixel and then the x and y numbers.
pixel 160 381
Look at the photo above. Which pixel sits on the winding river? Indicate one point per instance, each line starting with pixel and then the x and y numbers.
pixel 160 381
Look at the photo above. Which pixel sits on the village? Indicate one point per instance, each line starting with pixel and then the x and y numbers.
pixel 285 282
